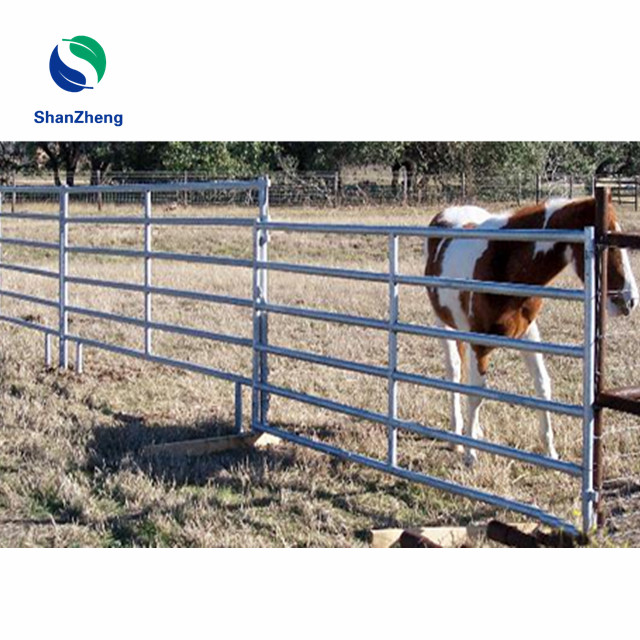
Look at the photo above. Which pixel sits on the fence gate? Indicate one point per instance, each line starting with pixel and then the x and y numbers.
pixel 261 264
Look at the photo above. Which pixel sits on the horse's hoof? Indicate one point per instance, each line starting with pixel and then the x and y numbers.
pixel 470 459
pixel 552 453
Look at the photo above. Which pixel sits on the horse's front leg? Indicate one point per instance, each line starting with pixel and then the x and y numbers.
pixel 542 384
pixel 478 363
pixel 453 365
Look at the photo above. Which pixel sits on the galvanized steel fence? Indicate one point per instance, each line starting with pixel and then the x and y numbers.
pixel 262 308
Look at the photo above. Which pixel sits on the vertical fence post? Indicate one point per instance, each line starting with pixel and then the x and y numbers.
pixel 601 266
pixel 392 434
pixel 635 193
pixel 255 296
pixel 147 273
pixel 263 279
pixel 238 407
pixel 463 186
pixel 14 194
pixel 538 188
pixel 185 195
pixel 79 358
pixel 588 388
pixel 48 361
pixel 62 278
pixel 571 186
pixel 260 398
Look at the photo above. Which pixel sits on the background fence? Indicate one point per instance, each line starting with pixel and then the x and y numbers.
pixel 350 187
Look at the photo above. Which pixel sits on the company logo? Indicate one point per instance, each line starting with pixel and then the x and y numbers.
pixel 82 47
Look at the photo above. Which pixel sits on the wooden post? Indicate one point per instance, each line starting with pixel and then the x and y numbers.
pixel 537 188
pixel 185 195
pixel 519 189
pixel 570 186
pixel 603 194
pixel 635 193
pixel 99 182
pixel 593 185
pixel 405 187
pixel 463 186
pixel 619 190
pixel 13 195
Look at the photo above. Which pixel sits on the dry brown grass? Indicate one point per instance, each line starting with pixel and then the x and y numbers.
pixel 70 468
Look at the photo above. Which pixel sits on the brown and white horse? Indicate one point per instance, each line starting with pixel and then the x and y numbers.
pixel 514 317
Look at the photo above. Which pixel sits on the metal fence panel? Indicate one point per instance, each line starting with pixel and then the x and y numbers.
pixel 260 264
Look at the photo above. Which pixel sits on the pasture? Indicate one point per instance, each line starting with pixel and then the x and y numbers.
pixel 71 472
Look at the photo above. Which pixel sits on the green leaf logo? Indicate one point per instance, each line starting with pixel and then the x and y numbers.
pixel 88 49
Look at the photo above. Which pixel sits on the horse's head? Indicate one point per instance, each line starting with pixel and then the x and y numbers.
pixel 623 295
pixel 622 288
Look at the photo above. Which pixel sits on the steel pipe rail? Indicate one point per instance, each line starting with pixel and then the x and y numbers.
pixel 571 351
pixel 495 288
pixel 430 481
pixel 16 295
pixel 492 394
pixel 487 340
pixel 162 255
pixel 30 215
pixel 478 286
pixel 28 324
pixel 157 359
pixel 34 271
pixel 33 244
pixel 163 221
pixel 162 291
pixel 162 187
pixel 513 235
pixel 161 326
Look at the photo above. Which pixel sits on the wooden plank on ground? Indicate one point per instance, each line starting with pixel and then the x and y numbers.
pixel 205 446
pixel 439 536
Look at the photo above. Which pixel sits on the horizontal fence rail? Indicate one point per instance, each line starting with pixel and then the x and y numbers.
pixel 263 232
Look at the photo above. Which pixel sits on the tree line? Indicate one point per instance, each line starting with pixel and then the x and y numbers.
pixel 240 159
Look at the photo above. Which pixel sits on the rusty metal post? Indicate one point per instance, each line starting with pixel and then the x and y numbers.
pixel 603 194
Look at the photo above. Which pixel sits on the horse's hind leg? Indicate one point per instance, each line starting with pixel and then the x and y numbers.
pixel 453 353
pixel 542 383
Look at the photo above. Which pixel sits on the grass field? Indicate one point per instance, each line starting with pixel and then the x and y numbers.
pixel 71 473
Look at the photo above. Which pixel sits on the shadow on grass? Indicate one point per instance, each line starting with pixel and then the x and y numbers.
pixel 114 446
